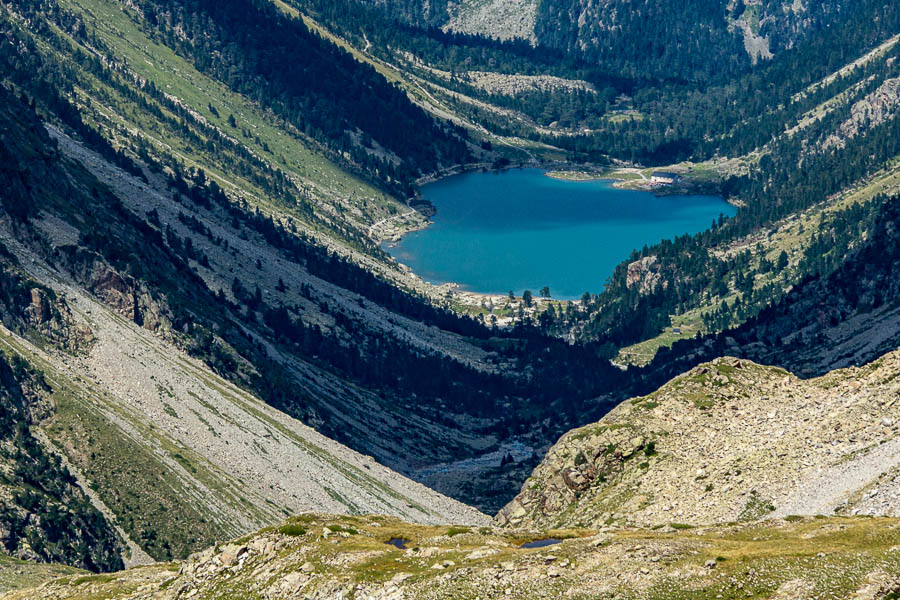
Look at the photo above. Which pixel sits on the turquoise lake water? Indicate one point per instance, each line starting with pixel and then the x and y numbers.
pixel 519 229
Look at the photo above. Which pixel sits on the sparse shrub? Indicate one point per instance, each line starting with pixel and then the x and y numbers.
pixel 755 508
pixel 342 529
pixel 292 530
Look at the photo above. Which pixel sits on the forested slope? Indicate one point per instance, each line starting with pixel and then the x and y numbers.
pixel 642 40
pixel 847 318
pixel 247 246
pixel 109 351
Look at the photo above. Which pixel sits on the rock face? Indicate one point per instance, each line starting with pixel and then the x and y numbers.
pixel 327 557
pixel 642 275
pixel 727 441
pixel 738 31
pixel 129 298
pixel 501 19
pixel 876 108
pixel 31 308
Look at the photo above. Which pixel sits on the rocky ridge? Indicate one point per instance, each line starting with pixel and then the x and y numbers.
pixel 643 275
pixel 728 441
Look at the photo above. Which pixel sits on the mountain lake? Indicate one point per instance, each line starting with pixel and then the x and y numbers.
pixel 519 229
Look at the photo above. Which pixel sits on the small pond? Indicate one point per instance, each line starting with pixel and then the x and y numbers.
pixel 541 543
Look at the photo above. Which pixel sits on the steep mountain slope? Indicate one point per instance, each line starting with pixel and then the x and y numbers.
pixel 247 240
pixel 44 516
pixel 176 456
pixel 322 556
pixel 639 39
pixel 229 461
pixel 846 319
pixel 727 441
pixel 809 169
pixel 678 38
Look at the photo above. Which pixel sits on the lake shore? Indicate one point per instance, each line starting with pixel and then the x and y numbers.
pixel 577 175
pixel 516 227
pixel 486 167
pixel 638 179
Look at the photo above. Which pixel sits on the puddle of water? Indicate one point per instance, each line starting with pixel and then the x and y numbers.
pixel 398 543
pixel 540 543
